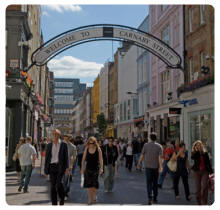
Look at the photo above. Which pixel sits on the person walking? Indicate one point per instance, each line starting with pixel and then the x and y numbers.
pixel 110 155
pixel 129 156
pixel 94 167
pixel 152 155
pixel 117 162
pixel 202 168
pixel 43 146
pixel 135 151
pixel 16 159
pixel 183 169
pixel 72 158
pixel 168 151
pixel 57 165
pixel 139 147
pixel 80 149
pixel 27 157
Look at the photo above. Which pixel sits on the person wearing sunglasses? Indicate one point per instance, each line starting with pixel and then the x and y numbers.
pixel 94 167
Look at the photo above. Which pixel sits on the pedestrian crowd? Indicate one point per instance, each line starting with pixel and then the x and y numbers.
pixel 61 154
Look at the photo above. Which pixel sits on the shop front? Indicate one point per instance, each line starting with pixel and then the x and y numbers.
pixel 199 118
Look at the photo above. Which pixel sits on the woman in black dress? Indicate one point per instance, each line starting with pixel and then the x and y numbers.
pixel 94 167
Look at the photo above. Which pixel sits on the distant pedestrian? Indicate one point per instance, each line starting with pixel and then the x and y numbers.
pixel 110 155
pixel 80 149
pixel 117 162
pixel 168 151
pixel 129 156
pixel 183 169
pixel 57 165
pixel 135 151
pixel 152 155
pixel 202 168
pixel 27 156
pixel 94 167
pixel 16 159
pixel 72 158
pixel 43 146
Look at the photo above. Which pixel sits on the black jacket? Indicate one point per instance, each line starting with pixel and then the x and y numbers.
pixel 63 159
pixel 110 155
pixel 196 157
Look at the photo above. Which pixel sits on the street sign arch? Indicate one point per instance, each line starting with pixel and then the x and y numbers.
pixel 99 32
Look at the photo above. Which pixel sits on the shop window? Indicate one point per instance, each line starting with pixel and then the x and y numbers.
pixel 200 126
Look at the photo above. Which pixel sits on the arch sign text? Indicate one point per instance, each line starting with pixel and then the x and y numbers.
pixel 106 32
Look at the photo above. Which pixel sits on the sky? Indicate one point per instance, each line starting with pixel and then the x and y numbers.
pixel 85 61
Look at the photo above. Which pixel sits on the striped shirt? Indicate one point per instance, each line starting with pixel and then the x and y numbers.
pixel 151 152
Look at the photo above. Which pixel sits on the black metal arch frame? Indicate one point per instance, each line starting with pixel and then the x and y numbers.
pixel 178 66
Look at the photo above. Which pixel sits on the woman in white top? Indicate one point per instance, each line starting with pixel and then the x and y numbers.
pixel 129 156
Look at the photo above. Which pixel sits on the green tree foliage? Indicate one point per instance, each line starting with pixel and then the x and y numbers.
pixel 102 124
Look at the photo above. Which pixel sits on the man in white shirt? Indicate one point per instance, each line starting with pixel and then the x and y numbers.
pixel 57 166
pixel 27 156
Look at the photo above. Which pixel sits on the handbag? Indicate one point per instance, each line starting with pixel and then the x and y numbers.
pixel 172 165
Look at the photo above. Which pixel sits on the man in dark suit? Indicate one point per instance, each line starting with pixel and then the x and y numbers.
pixel 57 165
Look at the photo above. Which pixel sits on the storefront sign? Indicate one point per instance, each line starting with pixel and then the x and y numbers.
pixel 189 102
pixel 106 31
pixel 173 110
pixel 14 63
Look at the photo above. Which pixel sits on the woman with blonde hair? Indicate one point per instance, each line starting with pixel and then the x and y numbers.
pixel 94 167
pixel 202 168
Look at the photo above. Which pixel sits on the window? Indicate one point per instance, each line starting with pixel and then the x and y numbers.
pixel 129 104
pixel 144 69
pixel 176 35
pixel 190 19
pixel 165 85
pixel 125 111
pixel 202 14
pixel 163 7
pixel 165 35
pixel 191 71
pixel 120 112
pixel 202 58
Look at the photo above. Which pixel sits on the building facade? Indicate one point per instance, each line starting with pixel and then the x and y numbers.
pixel 126 108
pixel 198 90
pixel 21 92
pixel 166 23
pixel 66 91
pixel 143 85
pixel 95 103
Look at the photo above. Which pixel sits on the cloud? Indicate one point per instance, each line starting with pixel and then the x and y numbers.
pixel 71 67
pixel 62 8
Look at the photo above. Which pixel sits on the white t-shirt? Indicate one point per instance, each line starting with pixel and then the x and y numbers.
pixel 129 150
pixel 25 153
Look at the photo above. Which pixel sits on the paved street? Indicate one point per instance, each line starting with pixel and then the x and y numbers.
pixel 129 189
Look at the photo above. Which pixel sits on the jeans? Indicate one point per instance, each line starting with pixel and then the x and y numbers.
pixel 136 158
pixel 151 179
pixel 74 167
pixel 25 176
pixel 164 172
pixel 109 172
pixel 66 184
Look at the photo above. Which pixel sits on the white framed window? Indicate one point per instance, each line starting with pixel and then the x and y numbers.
pixel 202 14
pixel 191 70
pixel 191 20
pixel 165 34
pixel 165 85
